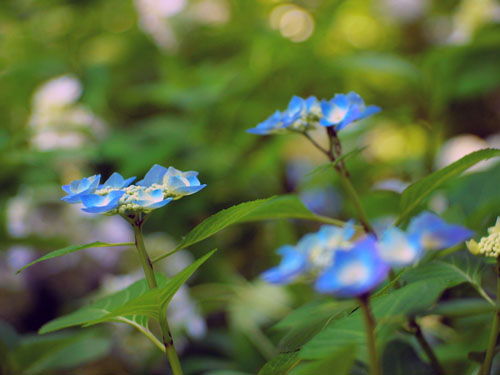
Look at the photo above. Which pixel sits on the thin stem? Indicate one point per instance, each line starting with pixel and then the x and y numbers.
pixel 168 342
pixel 364 302
pixel 417 331
pixel 335 151
pixel 494 329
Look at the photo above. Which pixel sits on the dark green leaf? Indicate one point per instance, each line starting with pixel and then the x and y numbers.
pixel 401 359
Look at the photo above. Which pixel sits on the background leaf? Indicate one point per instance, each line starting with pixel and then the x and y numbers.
pixel 338 363
pixel 416 192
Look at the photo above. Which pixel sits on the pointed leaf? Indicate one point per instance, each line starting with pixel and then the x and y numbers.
pixel 281 364
pixel 155 301
pixel 72 249
pixel 339 363
pixel 416 192
pixel 284 207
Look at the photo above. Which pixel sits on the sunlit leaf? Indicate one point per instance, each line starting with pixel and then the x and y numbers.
pixel 284 207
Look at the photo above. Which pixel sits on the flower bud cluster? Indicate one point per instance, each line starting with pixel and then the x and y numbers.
pixel 488 246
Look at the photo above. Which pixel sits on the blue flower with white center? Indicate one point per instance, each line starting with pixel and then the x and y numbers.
pixel 116 181
pixel 272 124
pixel 344 109
pixel 99 204
pixel 399 249
pixel 300 112
pixel 79 188
pixel 293 264
pixel 354 272
pixel 181 183
pixel 175 182
pixel 147 201
pixel 434 233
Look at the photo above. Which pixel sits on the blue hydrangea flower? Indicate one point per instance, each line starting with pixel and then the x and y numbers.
pixel 293 264
pixel 354 272
pixel 79 188
pixel 99 204
pixel 182 183
pixel 300 112
pixel 147 200
pixel 272 124
pixel 342 109
pixel 116 181
pixel 175 182
pixel 399 249
pixel 434 233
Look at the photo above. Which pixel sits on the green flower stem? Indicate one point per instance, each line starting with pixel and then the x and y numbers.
pixel 494 329
pixel 364 302
pixel 150 277
pixel 417 331
pixel 335 151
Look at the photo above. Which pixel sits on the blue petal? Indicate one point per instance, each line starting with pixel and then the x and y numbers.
pixel 398 249
pixel 435 234
pixel 154 176
pixel 292 265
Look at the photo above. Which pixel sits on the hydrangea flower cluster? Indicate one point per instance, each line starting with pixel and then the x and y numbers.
pixel 348 267
pixel 488 246
pixel 117 196
pixel 304 114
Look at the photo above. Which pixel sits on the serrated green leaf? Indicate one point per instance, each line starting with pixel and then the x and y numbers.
pixel 72 249
pixel 414 194
pixel 153 302
pixel 284 207
pixel 390 310
pixel 40 354
pixel 339 363
pixel 134 305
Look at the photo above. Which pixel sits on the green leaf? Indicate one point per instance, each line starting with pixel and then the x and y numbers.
pixel 390 310
pixel 155 301
pixel 464 307
pixel 416 192
pixel 306 321
pixel 339 363
pixel 280 364
pixel 72 249
pixel 284 207
pixel 133 305
pixel 40 354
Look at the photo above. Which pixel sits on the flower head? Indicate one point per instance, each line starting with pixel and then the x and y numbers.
pixel 304 114
pixel 354 272
pixel 117 196
pixel 79 188
pixel 434 233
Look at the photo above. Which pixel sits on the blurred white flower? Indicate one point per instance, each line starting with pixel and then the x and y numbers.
pixel 459 146
pixel 404 10
pixel 57 121
pixel 391 184
pixel 472 14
